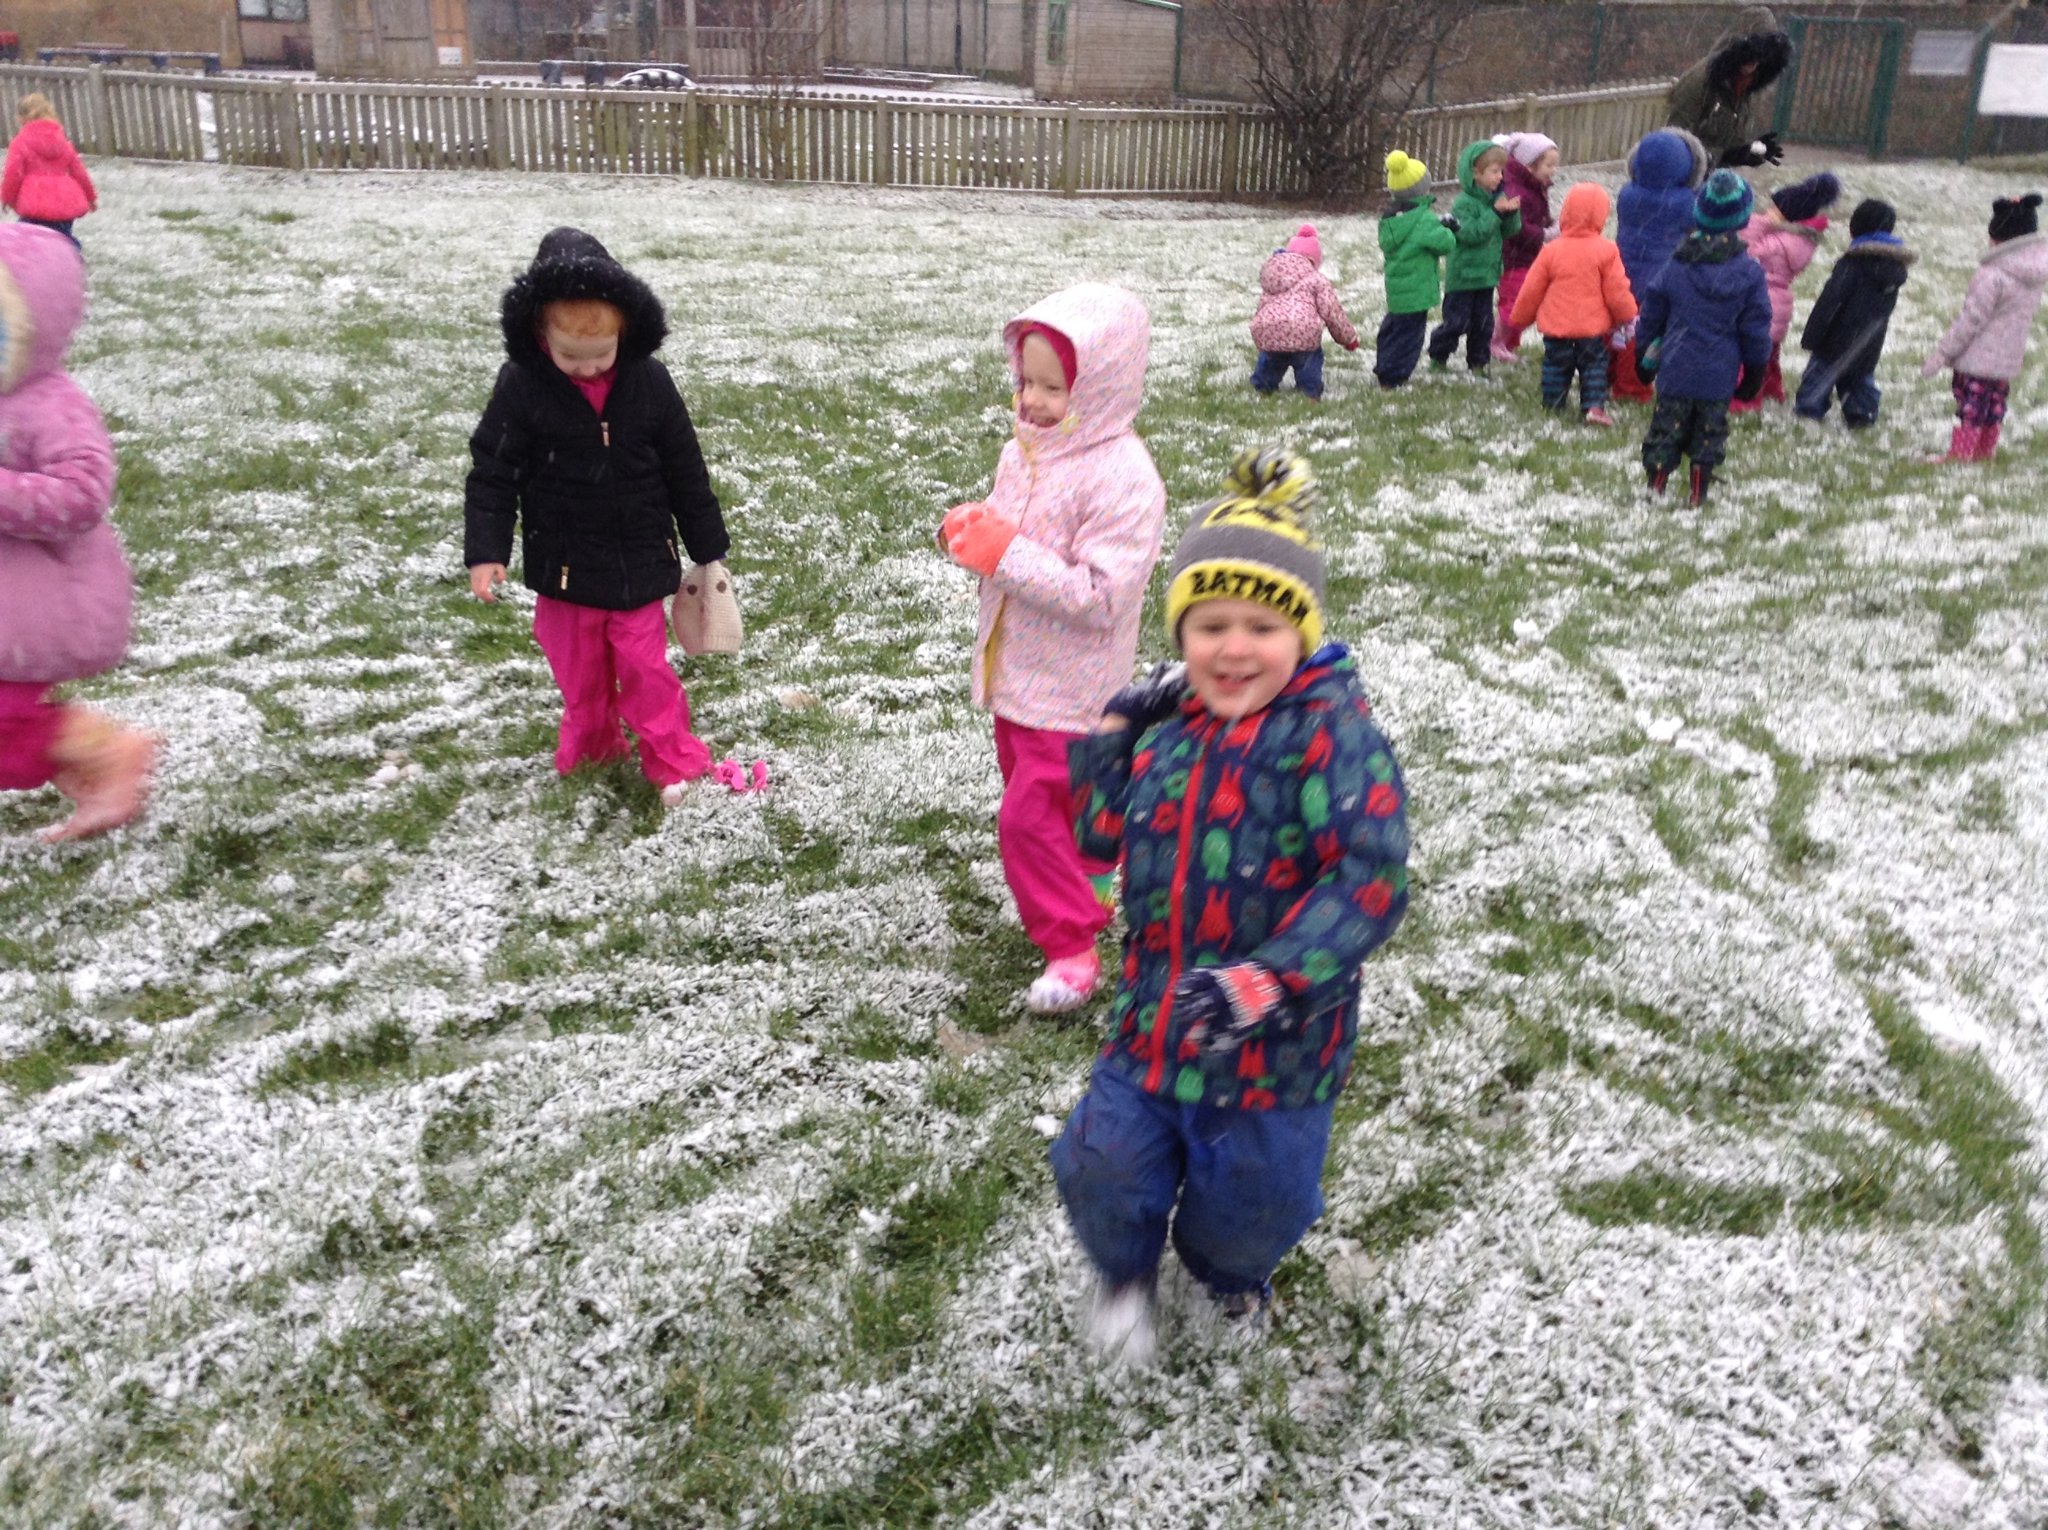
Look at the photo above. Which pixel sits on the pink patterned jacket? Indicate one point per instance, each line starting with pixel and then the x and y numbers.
pixel 1059 617
pixel 1295 301
pixel 1783 250
pixel 64 585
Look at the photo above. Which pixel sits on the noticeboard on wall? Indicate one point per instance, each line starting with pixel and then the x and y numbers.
pixel 2015 81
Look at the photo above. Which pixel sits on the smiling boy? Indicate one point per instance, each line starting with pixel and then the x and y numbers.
pixel 1258 814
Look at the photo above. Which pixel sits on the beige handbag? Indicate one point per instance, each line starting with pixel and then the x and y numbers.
pixel 706 614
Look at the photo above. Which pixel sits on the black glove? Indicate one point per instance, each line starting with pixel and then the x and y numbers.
pixel 1750 386
pixel 1774 152
pixel 1144 702
pixel 1744 156
pixel 1649 357
pixel 1448 222
pixel 1220 1007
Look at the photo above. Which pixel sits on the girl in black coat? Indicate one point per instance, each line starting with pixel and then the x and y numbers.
pixel 1846 330
pixel 587 441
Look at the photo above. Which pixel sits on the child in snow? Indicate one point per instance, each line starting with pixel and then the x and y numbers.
pixel 1414 242
pixel 1295 301
pixel 588 446
pixel 65 591
pixel 1845 332
pixel 1259 816
pixel 1988 339
pixel 1652 216
pixel 1484 218
pixel 1577 295
pixel 1783 237
pixel 45 181
pixel 1064 545
pixel 1532 165
pixel 1704 335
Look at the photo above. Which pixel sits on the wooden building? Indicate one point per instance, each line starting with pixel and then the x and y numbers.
pixel 392 39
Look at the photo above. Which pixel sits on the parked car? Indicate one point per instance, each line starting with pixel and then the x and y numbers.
pixel 656 77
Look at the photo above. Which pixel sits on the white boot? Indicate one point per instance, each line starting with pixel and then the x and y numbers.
pixel 1119 1327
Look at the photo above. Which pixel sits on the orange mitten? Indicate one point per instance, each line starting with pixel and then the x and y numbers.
pixel 981 541
pixel 960 515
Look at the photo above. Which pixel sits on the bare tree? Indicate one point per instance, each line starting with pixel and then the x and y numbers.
pixel 1340 75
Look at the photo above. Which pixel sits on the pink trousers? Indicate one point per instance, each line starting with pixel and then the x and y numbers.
pixel 1035 832
pixel 1505 335
pixel 29 722
pixel 613 669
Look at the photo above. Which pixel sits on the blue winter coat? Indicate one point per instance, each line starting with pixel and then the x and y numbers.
pixel 1653 213
pixel 1280 838
pixel 1707 315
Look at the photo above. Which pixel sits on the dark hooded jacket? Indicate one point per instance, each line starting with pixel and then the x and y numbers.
pixel 601 499
pixel 1707 315
pixel 1705 102
pixel 1653 212
pixel 1853 313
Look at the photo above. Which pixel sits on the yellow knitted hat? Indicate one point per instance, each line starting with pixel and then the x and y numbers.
pixel 1404 173
pixel 1255 543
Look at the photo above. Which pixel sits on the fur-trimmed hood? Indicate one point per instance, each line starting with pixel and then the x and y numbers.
pixel 1755 38
pixel 571 264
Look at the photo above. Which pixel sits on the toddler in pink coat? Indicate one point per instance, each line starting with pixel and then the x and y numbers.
pixel 65 590
pixel 1064 545
pixel 1784 236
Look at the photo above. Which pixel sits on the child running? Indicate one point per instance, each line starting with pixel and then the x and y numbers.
pixel 1259 814
pixel 1988 340
pixel 1483 219
pixel 1577 295
pixel 1845 333
pixel 65 590
pixel 1704 335
pixel 1532 165
pixel 1296 301
pixel 1064 545
pixel 1414 242
pixel 587 445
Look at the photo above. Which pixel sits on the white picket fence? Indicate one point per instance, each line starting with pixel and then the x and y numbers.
pixel 757 135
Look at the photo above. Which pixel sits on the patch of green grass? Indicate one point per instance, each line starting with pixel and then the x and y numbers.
pixel 51 1062
pixel 1675 1201
pixel 385 1046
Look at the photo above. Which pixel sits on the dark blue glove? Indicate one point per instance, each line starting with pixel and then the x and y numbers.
pixel 1649 358
pixel 1220 1007
pixel 1158 695
pixel 1750 386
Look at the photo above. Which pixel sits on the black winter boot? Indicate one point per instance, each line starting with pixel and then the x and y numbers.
pixel 1701 477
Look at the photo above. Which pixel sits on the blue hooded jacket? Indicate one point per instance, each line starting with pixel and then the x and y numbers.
pixel 1708 313
pixel 1653 213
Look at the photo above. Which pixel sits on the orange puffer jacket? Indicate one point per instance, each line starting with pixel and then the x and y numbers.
pixel 1578 287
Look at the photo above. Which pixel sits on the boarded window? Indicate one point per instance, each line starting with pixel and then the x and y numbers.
pixel 1950 53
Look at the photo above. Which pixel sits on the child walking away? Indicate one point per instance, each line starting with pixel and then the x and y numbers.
pixel 1988 339
pixel 1064 546
pixel 1704 334
pixel 1259 814
pixel 1532 165
pixel 1577 295
pixel 65 592
pixel 1845 332
pixel 45 181
pixel 1414 242
pixel 1295 302
pixel 1784 237
pixel 1484 218
pixel 587 445
pixel 1652 216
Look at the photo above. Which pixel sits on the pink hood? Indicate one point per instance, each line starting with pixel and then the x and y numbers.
pixel 1058 631
pixel 64 586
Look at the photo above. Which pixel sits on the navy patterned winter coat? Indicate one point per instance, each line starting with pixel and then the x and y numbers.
pixel 1281 839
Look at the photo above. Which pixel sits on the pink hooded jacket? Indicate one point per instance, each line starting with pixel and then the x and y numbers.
pixel 1058 633
pixel 64 585
pixel 44 178
pixel 1295 301
pixel 1989 337
pixel 1783 250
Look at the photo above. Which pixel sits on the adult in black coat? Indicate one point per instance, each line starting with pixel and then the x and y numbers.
pixel 1846 330
pixel 603 495
pixel 1716 99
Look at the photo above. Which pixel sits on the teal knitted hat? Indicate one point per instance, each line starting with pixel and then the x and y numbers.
pixel 1723 203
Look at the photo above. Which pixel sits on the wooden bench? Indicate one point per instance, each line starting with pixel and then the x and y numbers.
pixel 159 58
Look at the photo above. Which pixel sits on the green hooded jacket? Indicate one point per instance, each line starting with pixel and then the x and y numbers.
pixel 1475 264
pixel 1414 243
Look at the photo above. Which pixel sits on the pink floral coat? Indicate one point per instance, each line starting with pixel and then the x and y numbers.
pixel 64 586
pixel 1783 250
pixel 1295 301
pixel 1059 617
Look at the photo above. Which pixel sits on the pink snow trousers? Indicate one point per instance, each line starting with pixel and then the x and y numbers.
pixel 1507 336
pixel 612 667
pixel 1035 832
pixel 29 722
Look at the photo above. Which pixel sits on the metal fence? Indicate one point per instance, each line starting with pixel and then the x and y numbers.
pixel 760 135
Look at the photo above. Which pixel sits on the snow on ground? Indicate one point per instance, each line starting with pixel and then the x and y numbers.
pixel 398 1132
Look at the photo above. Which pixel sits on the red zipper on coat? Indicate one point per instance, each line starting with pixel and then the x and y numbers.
pixel 1174 904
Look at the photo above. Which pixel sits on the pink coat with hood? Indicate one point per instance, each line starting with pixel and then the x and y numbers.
pixel 1296 300
pixel 1059 617
pixel 1783 250
pixel 64 585
pixel 1989 337
pixel 45 179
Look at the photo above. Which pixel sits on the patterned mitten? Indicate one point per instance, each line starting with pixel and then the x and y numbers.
pixel 1224 1005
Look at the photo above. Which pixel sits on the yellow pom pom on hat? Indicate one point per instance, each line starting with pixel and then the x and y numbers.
pixel 1254 543
pixel 1403 173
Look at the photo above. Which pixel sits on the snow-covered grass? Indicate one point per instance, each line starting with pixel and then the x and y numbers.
pixel 398 1134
